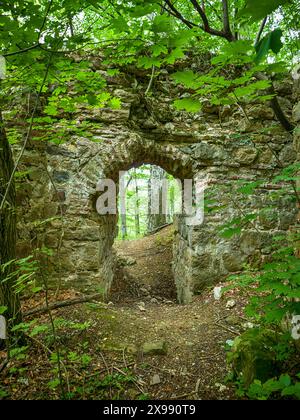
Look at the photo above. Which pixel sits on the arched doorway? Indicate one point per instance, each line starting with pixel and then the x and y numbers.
pixel 121 159
pixel 148 200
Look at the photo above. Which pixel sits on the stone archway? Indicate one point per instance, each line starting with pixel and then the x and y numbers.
pixel 185 145
pixel 201 256
pixel 123 157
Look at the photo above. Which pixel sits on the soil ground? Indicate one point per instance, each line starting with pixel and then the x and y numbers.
pixel 141 345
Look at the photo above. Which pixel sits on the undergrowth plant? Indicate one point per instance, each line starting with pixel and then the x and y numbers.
pixel 274 303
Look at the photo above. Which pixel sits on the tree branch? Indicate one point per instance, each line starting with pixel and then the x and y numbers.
pixel 21 51
pixel 205 27
pixel 226 22
pixel 203 16
pixel 261 28
pixel 150 81
pixel 286 124
pixel 227 34
pixel 177 14
pixel 44 20
pixel 62 304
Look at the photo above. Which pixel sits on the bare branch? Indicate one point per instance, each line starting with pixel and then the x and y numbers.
pixel 203 16
pixel 70 19
pixel 21 51
pixel 206 27
pixel 150 81
pixel 44 20
pixel 286 124
pixel 260 31
pixel 62 304
pixel 175 12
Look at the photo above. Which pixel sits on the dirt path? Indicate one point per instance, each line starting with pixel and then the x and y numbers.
pixel 145 311
pixel 145 267
pixel 157 348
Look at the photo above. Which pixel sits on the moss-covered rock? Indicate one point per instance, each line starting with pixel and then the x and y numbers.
pixel 253 356
pixel 155 348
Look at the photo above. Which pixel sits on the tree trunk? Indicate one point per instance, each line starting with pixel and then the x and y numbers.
pixel 157 218
pixel 136 207
pixel 172 205
pixel 7 232
pixel 123 226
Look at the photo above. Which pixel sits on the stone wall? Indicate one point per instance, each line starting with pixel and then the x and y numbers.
pixel 296 133
pixel 57 198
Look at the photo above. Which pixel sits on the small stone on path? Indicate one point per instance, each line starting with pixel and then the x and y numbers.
pixel 155 380
pixel 230 304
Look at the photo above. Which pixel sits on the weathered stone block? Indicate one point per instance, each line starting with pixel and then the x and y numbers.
pixel 233 261
pixel 246 155
pixel 202 261
pixel 288 155
pixel 61 176
pixel 208 152
pixel 296 112
pixel 260 111
pixel 268 219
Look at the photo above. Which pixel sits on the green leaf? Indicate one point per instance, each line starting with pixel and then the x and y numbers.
pixel 38 329
pixel 148 62
pixel 18 352
pixel 228 233
pixel 139 11
pixel 234 50
pixel 54 383
pixel 112 72
pixel 161 23
pixel 23 326
pixel 187 78
pixel 272 41
pixel 181 38
pixel 285 380
pixel 292 390
pixel 115 103
pixel 92 99
pixel 258 9
pixel 3 309
pixel 51 110
pixel 175 55
pixel 279 67
pixel 250 187
pixel 120 24
pixel 36 289
pixel 251 89
pixel 158 49
pixel 188 104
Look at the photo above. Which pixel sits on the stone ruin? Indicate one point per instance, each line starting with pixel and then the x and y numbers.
pixel 56 204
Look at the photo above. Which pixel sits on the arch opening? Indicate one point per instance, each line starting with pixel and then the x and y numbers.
pixel 129 159
pixel 148 200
